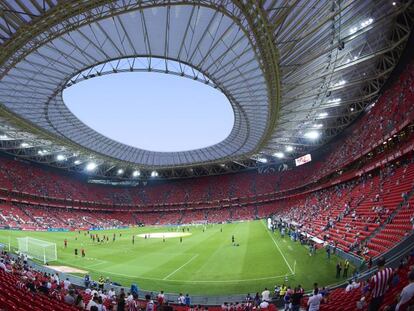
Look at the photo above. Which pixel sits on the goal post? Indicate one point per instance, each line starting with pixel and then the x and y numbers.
pixel 37 249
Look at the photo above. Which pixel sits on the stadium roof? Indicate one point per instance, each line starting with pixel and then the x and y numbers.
pixel 292 70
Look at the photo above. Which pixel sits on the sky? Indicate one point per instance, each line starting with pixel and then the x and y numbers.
pixel 152 111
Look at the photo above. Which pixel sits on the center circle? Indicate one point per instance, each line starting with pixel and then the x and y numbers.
pixel 164 235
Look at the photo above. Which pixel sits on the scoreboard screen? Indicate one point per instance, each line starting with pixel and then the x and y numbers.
pixel 303 159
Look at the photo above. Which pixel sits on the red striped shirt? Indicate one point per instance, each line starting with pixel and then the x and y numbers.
pixel 379 282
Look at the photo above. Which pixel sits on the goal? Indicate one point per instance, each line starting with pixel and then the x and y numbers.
pixel 37 249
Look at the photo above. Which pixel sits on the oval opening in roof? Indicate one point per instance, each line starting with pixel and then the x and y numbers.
pixel 152 111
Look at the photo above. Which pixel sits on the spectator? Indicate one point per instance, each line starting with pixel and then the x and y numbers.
pixel 407 293
pixel 296 299
pixel 315 300
pixel 266 295
pixel 69 298
pixel 379 285
pixel 93 303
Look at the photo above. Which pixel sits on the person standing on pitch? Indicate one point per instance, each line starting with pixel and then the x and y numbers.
pixel 338 269
pixel 346 268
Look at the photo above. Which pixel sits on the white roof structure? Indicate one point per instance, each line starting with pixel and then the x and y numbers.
pixel 287 67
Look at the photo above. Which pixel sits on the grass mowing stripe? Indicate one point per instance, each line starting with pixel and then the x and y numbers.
pixel 195 281
pixel 179 268
pixel 283 256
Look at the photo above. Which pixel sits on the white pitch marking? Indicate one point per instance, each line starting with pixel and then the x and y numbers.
pixel 96 264
pixel 199 281
pixel 284 258
pixel 179 268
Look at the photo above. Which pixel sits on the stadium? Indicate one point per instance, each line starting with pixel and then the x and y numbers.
pixel 297 193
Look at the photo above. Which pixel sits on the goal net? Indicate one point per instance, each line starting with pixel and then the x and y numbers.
pixel 37 249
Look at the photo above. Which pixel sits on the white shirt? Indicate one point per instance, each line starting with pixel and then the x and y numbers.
pixel 264 305
pixel 406 294
pixel 111 293
pixel 266 295
pixel 90 304
pixel 314 302
pixel 66 284
pixel 181 300
pixel 3 267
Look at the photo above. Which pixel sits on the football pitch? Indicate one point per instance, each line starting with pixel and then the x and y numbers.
pixel 205 262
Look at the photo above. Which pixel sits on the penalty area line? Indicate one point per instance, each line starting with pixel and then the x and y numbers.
pixel 179 268
pixel 278 248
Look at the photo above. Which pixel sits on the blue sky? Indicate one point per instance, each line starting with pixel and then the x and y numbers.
pixel 152 111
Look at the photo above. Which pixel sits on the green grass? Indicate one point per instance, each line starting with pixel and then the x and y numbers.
pixel 204 263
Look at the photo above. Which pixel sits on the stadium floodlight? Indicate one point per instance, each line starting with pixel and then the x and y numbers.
pixel 24 145
pixel 3 136
pixel 318 125
pixel 279 155
pixel 312 135
pixel 60 157
pixel 77 162
pixel 334 101
pixel 323 114
pixel 394 3
pixel 353 30
pixel 340 82
pixel 91 166
pixel 366 23
pixel 154 174
pixel 289 148
pixel 262 160
pixel 120 171
pixel 136 173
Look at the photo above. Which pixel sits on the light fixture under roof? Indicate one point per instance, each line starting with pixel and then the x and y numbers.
pixel 24 145
pixel 318 125
pixel 323 114
pixel 362 25
pixel 91 166
pixel 77 162
pixel 289 148
pixel 262 160
pixel 339 83
pixel 120 171
pixel 279 155
pixel 60 157
pixel 312 134
pixel 136 173
pixel 334 101
pixel 154 174
pixel 353 30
